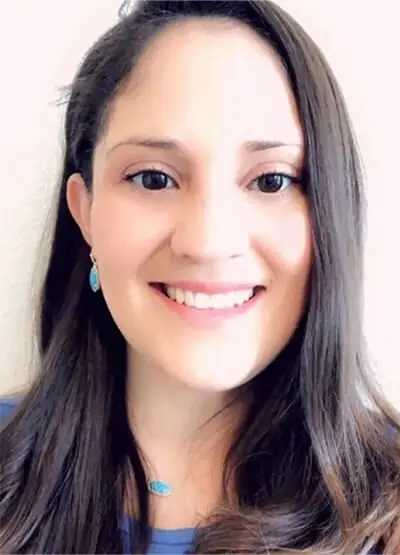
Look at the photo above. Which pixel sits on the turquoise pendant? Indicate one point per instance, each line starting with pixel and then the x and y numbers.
pixel 158 487
pixel 94 279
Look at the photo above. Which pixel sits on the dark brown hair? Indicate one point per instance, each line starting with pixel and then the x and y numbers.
pixel 316 462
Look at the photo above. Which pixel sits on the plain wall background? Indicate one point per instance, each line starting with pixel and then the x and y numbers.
pixel 41 44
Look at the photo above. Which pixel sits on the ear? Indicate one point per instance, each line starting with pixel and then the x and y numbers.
pixel 79 200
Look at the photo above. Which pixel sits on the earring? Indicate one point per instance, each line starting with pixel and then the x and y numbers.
pixel 94 275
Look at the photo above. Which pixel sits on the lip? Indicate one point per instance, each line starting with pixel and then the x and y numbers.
pixel 206 318
pixel 211 287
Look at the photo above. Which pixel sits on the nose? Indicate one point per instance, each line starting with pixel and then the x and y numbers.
pixel 211 229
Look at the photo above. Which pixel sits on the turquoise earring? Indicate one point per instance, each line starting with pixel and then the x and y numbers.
pixel 94 275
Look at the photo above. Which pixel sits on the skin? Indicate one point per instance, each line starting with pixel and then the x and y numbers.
pixel 211 86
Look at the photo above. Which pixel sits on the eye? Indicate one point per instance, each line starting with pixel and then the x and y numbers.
pixel 151 180
pixel 272 182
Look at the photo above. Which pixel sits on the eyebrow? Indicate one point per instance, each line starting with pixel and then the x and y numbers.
pixel 177 146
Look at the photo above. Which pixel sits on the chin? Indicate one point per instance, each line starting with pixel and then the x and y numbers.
pixel 214 377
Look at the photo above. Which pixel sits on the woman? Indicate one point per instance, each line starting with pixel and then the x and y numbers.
pixel 202 383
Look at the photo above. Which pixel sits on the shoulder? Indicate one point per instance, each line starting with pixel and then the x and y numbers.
pixel 7 407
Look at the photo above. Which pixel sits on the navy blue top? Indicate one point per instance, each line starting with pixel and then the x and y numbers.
pixel 162 541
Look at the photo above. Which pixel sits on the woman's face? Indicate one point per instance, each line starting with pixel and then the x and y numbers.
pixel 195 189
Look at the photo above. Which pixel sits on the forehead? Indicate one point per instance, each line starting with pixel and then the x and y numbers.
pixel 210 82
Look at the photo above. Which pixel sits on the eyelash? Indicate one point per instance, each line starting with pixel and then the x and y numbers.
pixel 282 175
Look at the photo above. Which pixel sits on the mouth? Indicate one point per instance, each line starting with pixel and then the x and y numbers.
pixel 221 299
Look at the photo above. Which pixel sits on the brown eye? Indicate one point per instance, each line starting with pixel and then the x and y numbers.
pixel 272 182
pixel 151 180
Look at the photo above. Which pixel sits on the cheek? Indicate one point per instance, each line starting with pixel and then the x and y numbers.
pixel 125 232
pixel 285 240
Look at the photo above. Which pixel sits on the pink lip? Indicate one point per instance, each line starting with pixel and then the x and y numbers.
pixel 208 317
pixel 211 287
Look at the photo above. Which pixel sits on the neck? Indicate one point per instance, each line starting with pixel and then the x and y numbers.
pixel 184 436
pixel 170 413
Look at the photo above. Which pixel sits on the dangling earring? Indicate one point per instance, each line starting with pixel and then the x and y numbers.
pixel 94 275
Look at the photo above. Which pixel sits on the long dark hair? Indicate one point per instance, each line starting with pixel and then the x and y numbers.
pixel 316 462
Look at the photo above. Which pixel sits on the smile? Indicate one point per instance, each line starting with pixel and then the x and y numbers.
pixel 203 301
pixel 205 304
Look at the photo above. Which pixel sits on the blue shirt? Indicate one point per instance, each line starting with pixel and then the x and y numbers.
pixel 162 541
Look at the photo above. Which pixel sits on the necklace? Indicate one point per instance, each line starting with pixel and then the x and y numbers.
pixel 160 488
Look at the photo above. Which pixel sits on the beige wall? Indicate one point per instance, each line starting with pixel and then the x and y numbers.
pixel 40 45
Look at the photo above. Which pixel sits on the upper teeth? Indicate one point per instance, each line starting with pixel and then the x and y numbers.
pixel 201 300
